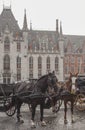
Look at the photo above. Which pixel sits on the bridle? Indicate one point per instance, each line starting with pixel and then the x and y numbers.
pixel 52 80
pixel 73 82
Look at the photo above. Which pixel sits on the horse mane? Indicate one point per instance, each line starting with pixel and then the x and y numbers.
pixel 42 77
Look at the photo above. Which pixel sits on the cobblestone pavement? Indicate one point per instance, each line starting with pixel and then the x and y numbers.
pixel 54 121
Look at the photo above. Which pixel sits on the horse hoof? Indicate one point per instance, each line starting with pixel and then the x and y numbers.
pixel 33 124
pixel 53 111
pixel 43 123
pixel 73 121
pixel 20 122
pixel 65 121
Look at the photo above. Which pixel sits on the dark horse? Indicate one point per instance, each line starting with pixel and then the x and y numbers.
pixel 68 94
pixel 34 95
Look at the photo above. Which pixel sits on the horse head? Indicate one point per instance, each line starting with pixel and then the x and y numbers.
pixel 52 80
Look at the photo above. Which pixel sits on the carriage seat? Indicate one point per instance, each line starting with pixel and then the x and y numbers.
pixel 80 83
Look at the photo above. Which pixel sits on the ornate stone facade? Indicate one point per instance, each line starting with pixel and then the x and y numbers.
pixel 26 53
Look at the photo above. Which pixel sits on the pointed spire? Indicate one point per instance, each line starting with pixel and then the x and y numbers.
pixel 61 28
pixel 57 25
pixel 30 25
pixel 3 4
pixel 25 22
pixel 10 4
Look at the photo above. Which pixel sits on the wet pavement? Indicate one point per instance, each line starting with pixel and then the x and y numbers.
pixel 54 121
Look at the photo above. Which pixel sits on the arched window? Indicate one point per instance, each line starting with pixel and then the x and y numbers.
pixel 18 75
pixel 79 60
pixel 84 59
pixel 18 68
pixel 30 67
pixel 31 62
pixel 18 62
pixel 39 62
pixel 84 69
pixel 66 59
pixel 73 59
pixel 66 69
pixel 6 62
pixel 18 46
pixel 72 68
pixel 6 44
pixel 56 64
pixel 48 64
pixel 39 67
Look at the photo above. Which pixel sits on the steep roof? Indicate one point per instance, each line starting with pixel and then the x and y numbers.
pixel 7 18
pixel 74 39
pixel 46 39
pixel 76 42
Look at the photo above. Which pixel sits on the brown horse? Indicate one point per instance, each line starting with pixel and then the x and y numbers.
pixel 70 83
pixel 68 94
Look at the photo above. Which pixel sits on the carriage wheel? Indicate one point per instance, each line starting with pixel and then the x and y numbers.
pixel 9 110
pixel 80 102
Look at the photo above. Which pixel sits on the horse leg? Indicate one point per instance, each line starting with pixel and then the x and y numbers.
pixel 53 104
pixel 43 123
pixel 56 106
pixel 33 107
pixel 18 113
pixel 72 107
pixel 30 107
pixel 65 112
pixel 53 109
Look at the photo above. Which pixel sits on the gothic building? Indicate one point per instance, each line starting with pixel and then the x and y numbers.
pixel 26 53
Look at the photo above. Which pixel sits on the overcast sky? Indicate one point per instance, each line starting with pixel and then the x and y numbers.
pixel 43 14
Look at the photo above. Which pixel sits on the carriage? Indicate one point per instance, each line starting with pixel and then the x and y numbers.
pixel 13 96
pixel 5 98
pixel 80 98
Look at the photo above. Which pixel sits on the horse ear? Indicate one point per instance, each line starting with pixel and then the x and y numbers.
pixel 70 74
pixel 53 72
pixel 76 74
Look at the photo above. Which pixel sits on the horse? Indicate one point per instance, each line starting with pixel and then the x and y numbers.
pixel 37 96
pixel 68 94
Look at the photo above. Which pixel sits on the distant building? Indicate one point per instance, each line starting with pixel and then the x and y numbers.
pixel 26 53
pixel 74 55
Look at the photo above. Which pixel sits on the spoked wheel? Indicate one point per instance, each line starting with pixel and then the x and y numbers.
pixel 9 110
pixel 80 102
